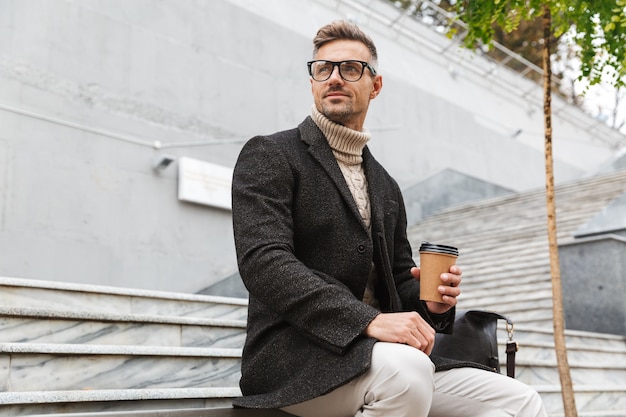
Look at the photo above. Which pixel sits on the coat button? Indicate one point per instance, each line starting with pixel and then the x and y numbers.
pixel 361 248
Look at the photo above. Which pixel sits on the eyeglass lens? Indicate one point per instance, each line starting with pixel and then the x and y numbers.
pixel 348 70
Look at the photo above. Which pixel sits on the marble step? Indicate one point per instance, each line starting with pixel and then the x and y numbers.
pixel 27 325
pixel 591 401
pixel 516 268
pixel 597 367
pixel 526 334
pixel 227 411
pixel 504 298
pixel 540 315
pixel 64 367
pixel 48 295
pixel 139 401
pixel 544 372
pixel 519 312
pixel 534 371
pixel 597 357
pixel 156 346
pixel 583 347
pixel 526 284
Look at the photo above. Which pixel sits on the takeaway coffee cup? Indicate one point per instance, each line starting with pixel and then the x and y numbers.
pixel 434 260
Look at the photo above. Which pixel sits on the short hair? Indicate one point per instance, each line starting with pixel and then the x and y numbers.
pixel 343 30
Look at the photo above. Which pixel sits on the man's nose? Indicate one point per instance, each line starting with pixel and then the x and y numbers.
pixel 335 75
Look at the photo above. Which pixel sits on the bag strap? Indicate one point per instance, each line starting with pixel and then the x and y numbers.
pixel 511 348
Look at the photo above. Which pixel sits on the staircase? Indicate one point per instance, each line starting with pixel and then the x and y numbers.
pixel 77 348
pixel 504 255
pixel 71 348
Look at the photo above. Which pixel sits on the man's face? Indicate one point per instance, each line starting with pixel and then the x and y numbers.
pixel 342 101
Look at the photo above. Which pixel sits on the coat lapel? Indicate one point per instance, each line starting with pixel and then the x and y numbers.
pixel 322 153
pixel 376 188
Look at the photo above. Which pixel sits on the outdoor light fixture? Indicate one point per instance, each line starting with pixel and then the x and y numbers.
pixel 161 162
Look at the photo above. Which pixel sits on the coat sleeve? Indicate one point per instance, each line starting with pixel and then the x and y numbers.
pixel 318 306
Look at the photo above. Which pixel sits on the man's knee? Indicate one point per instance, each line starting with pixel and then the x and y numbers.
pixel 403 360
pixel 403 372
pixel 533 406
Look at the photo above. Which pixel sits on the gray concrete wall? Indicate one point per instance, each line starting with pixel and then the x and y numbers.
pixel 593 271
pixel 85 207
pixel 91 91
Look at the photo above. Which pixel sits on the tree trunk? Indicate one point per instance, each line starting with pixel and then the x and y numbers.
pixel 567 391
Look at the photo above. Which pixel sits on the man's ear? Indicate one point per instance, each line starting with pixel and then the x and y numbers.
pixel 376 87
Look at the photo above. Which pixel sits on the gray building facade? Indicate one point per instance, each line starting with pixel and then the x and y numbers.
pixel 92 92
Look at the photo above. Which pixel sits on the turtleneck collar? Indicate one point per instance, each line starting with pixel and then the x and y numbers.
pixel 347 144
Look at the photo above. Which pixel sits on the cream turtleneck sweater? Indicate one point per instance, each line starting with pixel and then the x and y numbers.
pixel 347 146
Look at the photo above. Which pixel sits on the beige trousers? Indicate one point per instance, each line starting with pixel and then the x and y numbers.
pixel 402 383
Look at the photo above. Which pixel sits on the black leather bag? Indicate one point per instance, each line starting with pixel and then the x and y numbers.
pixel 475 340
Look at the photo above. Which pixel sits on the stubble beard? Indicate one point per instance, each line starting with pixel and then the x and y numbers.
pixel 338 113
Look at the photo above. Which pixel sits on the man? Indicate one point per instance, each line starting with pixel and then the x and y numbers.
pixel 335 324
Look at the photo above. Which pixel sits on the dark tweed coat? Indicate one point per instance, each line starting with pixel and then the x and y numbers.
pixel 304 254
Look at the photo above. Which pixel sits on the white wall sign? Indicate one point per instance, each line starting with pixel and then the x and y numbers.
pixel 204 183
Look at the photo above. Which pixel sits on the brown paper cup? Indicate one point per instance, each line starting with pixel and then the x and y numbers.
pixel 432 265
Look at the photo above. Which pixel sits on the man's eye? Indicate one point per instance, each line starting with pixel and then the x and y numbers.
pixel 323 69
pixel 350 68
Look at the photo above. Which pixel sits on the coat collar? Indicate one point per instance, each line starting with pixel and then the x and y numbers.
pixel 320 150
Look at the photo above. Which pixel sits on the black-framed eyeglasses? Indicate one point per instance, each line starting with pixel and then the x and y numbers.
pixel 351 70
